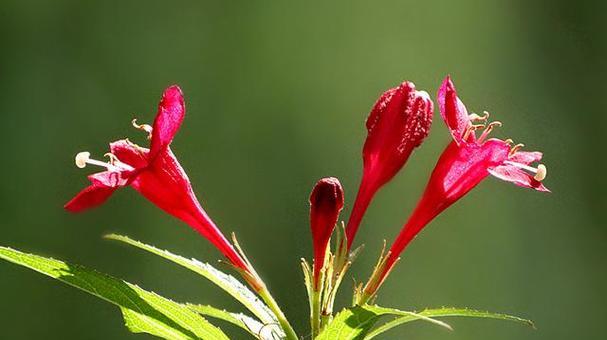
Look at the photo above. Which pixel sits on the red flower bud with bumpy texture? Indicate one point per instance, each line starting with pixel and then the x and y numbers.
pixel 466 161
pixel 326 202
pixel 397 124
pixel 155 173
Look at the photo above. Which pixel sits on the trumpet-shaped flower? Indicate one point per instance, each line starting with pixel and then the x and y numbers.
pixel 155 173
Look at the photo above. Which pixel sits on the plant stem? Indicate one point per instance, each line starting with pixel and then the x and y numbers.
pixel 364 298
pixel 284 323
pixel 315 313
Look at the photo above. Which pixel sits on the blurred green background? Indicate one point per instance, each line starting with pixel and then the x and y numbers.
pixel 277 93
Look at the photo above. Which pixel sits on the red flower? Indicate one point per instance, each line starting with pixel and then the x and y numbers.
pixel 465 162
pixel 155 173
pixel 398 123
pixel 326 202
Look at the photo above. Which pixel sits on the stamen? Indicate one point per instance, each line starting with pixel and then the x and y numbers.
pixel 488 130
pixel 475 117
pixel 112 157
pixel 540 171
pixel 471 128
pixel 515 148
pixel 509 141
pixel 143 127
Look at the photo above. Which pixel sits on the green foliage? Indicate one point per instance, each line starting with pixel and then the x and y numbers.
pixel 444 312
pixel 249 324
pixel 224 281
pixel 143 311
pixel 147 312
pixel 350 323
pixel 357 322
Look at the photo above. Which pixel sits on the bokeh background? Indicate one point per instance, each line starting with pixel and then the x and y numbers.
pixel 277 93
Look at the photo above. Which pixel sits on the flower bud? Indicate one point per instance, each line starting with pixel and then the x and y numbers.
pixel 398 123
pixel 326 202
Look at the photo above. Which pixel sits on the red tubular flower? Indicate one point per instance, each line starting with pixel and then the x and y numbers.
pixel 326 202
pixel 465 162
pixel 155 173
pixel 398 123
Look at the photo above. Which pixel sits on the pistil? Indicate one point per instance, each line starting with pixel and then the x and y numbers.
pixel 83 158
pixel 540 172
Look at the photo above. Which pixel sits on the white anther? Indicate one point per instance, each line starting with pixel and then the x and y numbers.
pixel 82 158
pixel 541 173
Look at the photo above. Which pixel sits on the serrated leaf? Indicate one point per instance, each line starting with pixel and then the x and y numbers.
pixel 249 324
pixel 444 312
pixel 143 311
pixel 350 323
pixel 224 281
pixel 354 323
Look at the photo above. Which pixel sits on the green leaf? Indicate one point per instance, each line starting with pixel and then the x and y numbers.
pixel 444 312
pixel 143 311
pixel 249 324
pixel 350 323
pixel 224 281
pixel 354 323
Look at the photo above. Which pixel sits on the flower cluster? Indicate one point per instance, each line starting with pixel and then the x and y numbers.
pixel 398 123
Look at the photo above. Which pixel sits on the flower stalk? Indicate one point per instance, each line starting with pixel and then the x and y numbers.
pixel 265 295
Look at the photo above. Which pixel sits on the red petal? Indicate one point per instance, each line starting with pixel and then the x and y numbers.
pixel 461 168
pixel 110 179
pixel 96 193
pixel 171 111
pixel 130 154
pixel 526 157
pixel 511 173
pixel 452 110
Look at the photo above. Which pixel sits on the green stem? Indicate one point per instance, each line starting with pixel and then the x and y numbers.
pixel 282 320
pixel 364 298
pixel 315 313
pixel 325 319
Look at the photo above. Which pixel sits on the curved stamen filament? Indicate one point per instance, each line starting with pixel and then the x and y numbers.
pixel 540 172
pixel 488 130
pixel 515 148
pixel 471 128
pixel 143 127
pixel 474 117
pixel 112 157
